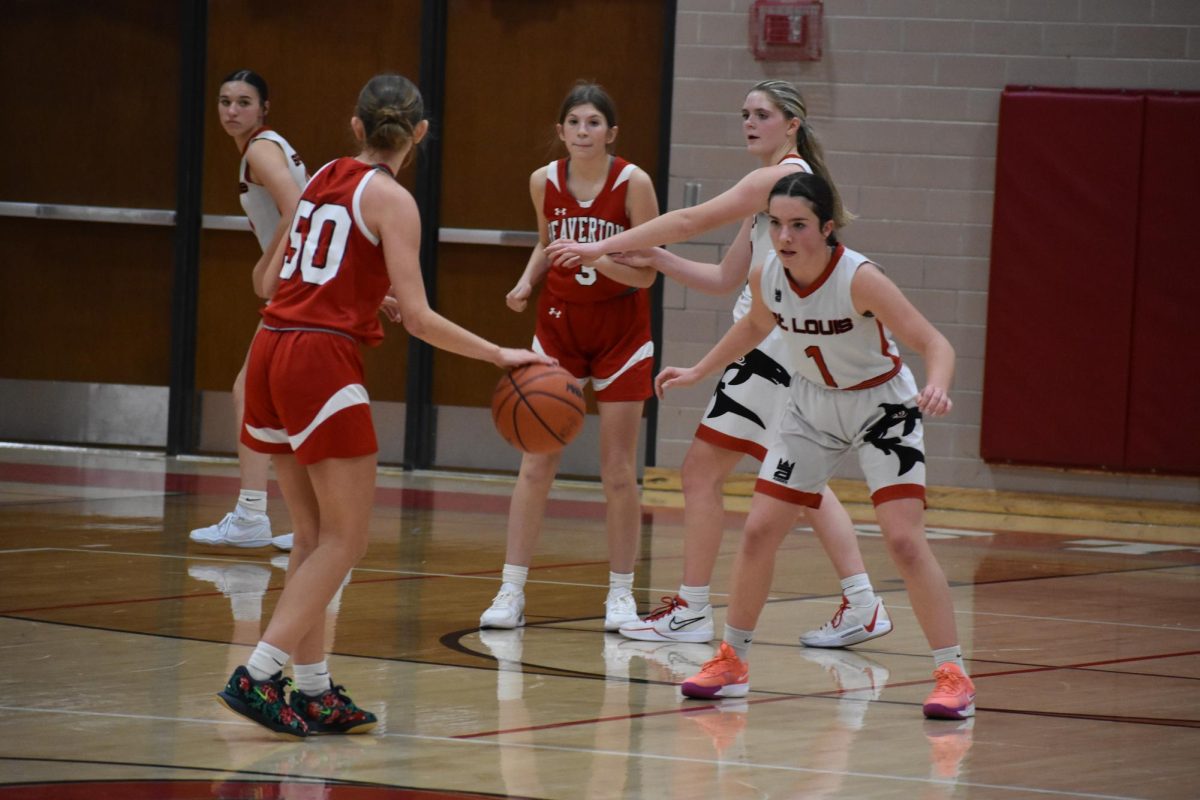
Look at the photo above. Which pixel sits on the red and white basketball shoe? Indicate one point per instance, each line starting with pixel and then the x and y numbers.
pixel 850 625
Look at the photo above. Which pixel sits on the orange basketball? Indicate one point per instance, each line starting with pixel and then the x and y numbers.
pixel 538 408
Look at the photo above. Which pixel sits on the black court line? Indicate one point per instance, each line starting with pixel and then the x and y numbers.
pixel 316 779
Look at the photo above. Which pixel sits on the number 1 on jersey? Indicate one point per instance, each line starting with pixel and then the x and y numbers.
pixel 814 352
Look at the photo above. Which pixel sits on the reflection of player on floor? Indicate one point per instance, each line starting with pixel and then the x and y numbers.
pixel 853 393
pixel 750 397
pixel 355 232
pixel 270 177
pixel 244 585
pixel 594 317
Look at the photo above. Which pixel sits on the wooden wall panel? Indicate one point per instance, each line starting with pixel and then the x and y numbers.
pixel 510 64
pixel 85 301
pixel 91 102
pixel 91 108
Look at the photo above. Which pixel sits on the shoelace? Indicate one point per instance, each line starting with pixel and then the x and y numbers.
pixel 339 692
pixel 837 615
pixel 671 603
pixel 726 660
pixel 502 600
pixel 622 602
pixel 949 680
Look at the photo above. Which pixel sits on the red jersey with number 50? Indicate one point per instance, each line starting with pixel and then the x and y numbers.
pixel 585 221
pixel 334 276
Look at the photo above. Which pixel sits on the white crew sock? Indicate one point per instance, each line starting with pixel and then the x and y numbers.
pixel 857 590
pixel 313 679
pixel 265 661
pixel 251 502
pixel 739 640
pixel 949 655
pixel 695 596
pixel 515 575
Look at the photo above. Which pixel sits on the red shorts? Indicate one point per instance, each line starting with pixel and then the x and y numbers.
pixel 607 343
pixel 305 395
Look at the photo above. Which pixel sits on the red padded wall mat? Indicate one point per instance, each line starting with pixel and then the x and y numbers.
pixel 1064 239
pixel 1163 428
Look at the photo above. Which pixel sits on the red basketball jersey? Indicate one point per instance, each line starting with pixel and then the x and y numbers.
pixel 588 221
pixel 334 276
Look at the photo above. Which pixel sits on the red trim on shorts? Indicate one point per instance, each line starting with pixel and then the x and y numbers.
pixel 900 491
pixel 797 498
pixel 727 442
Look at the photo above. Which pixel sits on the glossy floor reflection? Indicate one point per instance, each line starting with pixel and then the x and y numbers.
pixel 115 634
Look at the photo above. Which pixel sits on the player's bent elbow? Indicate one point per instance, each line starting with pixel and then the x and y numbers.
pixel 416 324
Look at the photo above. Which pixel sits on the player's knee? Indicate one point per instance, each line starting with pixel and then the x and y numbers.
pixel 538 469
pixel 760 538
pixel 906 547
pixel 699 479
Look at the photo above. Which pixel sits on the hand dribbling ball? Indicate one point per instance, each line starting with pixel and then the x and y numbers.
pixel 538 408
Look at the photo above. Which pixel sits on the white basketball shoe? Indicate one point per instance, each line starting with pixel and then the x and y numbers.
pixel 507 609
pixel 850 625
pixel 619 608
pixel 674 621
pixel 235 530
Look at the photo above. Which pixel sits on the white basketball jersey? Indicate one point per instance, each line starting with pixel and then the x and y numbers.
pixel 760 244
pixel 829 342
pixel 256 200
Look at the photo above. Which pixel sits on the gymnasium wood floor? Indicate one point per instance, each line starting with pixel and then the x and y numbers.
pixel 1080 622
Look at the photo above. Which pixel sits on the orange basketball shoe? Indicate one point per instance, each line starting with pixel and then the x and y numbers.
pixel 953 695
pixel 725 675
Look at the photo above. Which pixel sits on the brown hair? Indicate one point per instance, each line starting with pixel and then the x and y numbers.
pixel 390 107
pixel 584 92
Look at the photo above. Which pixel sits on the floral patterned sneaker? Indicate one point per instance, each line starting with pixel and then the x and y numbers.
pixel 331 712
pixel 263 702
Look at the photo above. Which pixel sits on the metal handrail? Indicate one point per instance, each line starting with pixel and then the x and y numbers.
pixel 229 222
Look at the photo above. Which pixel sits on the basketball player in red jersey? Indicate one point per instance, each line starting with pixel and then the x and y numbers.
pixel 749 399
pixel 355 232
pixel 270 178
pixel 594 317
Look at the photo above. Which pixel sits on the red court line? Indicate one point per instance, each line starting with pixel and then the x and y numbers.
pixel 1190 723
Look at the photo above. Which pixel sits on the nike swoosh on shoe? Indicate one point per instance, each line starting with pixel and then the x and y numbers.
pixel 870 626
pixel 677 625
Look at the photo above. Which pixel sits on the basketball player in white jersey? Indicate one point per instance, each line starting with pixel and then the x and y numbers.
pixel 593 317
pixel 836 312
pixel 750 398
pixel 270 179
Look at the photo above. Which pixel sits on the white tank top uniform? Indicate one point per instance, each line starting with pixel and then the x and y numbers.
pixel 256 201
pixel 750 397
pixel 851 391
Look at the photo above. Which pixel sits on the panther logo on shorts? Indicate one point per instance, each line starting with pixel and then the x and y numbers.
pixel 756 362
pixel 876 435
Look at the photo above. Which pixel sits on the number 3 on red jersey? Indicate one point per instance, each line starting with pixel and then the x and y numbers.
pixel 316 242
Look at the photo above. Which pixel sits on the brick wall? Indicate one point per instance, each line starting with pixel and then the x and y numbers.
pixel 905 101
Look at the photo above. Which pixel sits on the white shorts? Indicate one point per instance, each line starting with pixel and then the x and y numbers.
pixel 821 425
pixel 749 400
